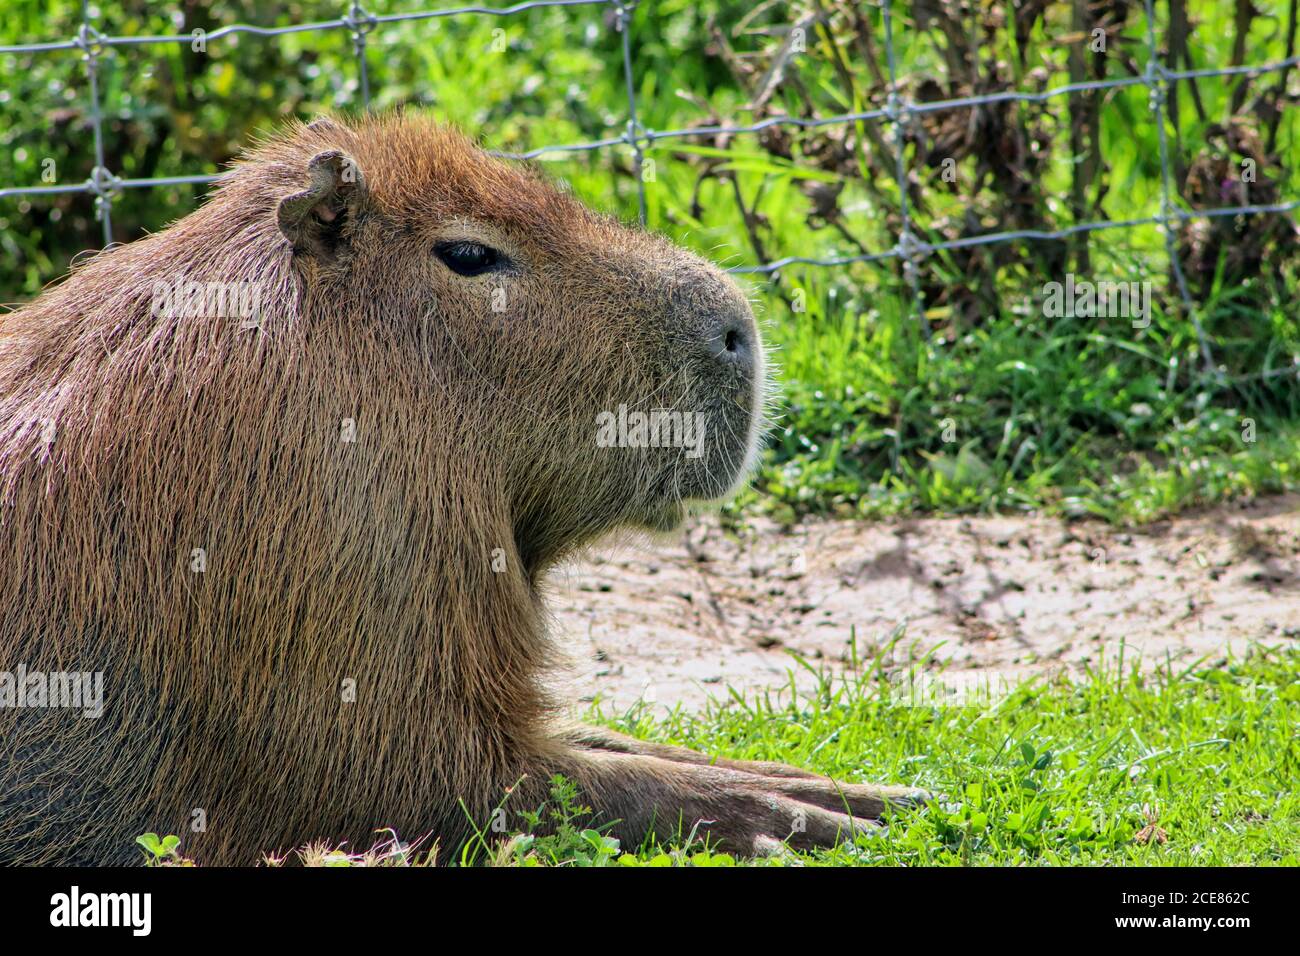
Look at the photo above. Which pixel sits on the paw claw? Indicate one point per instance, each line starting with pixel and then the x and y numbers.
pixel 909 798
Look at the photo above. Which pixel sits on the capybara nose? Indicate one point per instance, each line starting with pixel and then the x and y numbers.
pixel 729 340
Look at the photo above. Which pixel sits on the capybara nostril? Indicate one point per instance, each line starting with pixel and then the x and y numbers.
pixel 730 340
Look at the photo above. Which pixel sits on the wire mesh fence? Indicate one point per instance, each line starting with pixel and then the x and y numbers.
pixel 910 247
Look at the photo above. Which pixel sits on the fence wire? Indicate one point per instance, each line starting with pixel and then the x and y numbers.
pixel 898 112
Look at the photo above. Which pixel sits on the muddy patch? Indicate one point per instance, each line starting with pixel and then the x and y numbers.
pixel 990 600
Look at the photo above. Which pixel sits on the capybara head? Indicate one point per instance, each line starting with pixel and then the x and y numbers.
pixel 609 376
pixel 288 472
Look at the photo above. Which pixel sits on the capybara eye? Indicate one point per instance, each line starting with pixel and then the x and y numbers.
pixel 468 258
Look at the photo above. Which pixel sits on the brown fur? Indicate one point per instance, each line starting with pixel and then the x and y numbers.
pixel 369 561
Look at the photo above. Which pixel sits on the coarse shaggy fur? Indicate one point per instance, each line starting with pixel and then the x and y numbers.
pixel 305 552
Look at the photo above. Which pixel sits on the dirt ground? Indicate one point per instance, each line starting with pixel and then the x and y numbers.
pixel 996 598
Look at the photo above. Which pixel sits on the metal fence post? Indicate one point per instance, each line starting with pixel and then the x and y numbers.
pixel 636 135
pixel 360 22
pixel 909 249
pixel 102 183
pixel 1157 81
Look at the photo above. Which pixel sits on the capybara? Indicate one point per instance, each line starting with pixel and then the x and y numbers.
pixel 287 477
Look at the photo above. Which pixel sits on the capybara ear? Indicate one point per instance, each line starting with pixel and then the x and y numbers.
pixel 316 220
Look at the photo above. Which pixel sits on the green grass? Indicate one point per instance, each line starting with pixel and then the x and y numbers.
pixel 1069 771
pixel 1078 417
pixel 1123 766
